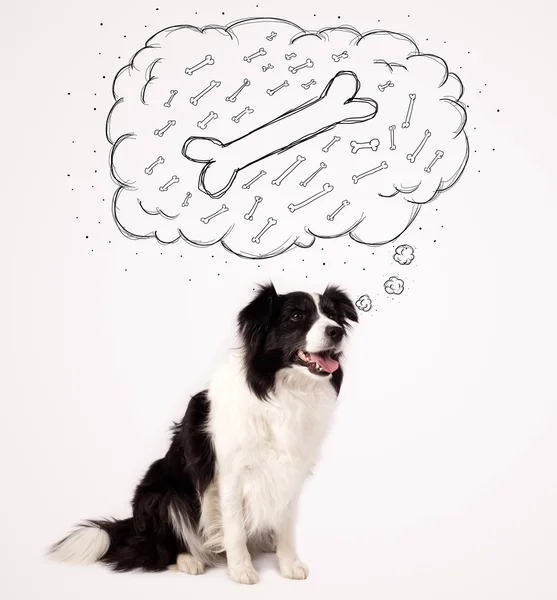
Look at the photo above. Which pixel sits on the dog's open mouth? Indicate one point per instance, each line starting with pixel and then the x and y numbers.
pixel 319 363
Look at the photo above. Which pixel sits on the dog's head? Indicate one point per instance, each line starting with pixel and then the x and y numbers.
pixel 297 330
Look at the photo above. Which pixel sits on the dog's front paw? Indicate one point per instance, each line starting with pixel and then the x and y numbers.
pixel 293 569
pixel 186 563
pixel 243 574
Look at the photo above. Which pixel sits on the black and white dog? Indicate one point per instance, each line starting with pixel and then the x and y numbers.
pixel 230 482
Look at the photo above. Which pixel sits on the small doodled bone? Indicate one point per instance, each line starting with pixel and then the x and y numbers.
pixel 338 104
pixel 412 157
pixel 392 133
pixel 221 210
pixel 356 178
pixel 203 124
pixel 247 185
pixel 174 179
pixel 327 189
pixel 305 65
pixel 161 132
pixel 232 98
pixel 186 200
pixel 260 52
pixel 438 156
pixel 337 57
pixel 257 201
pixel 307 85
pixel 169 101
pixel 195 99
pixel 270 223
pixel 332 216
pixel 299 160
pixel 246 111
pixel 273 91
pixel 384 86
pixel 272 36
pixel 149 170
pixel 372 144
pixel 305 182
pixel 335 139
pixel 290 56
pixel 406 123
pixel 267 67
pixel 208 60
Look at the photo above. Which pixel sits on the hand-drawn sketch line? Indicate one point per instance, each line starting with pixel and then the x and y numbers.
pixel 218 167
pixel 274 137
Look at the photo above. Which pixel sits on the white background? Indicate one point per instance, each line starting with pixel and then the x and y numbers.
pixel 446 436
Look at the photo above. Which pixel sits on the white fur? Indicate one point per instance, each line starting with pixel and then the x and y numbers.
pixel 316 339
pixel 264 451
pixel 85 545
pixel 186 563
pixel 183 529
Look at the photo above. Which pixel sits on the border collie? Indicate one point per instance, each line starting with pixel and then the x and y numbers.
pixel 230 481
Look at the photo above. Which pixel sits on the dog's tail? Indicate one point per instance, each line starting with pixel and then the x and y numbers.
pixel 87 544
pixel 114 542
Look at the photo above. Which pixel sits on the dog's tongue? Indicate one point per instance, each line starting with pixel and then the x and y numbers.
pixel 325 362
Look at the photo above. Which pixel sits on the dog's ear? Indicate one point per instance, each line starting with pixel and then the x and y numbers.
pixel 342 302
pixel 254 319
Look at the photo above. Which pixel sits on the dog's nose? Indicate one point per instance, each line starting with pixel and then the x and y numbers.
pixel 334 332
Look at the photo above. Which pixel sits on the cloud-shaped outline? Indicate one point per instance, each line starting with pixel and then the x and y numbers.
pixel 323 35
pixel 364 303
pixel 388 285
pixel 399 253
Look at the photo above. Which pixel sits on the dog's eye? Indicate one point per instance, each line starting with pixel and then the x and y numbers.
pixel 297 316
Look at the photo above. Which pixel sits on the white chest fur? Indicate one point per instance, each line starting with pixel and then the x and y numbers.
pixel 270 446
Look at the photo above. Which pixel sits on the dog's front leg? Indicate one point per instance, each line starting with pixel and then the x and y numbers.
pixel 289 564
pixel 240 568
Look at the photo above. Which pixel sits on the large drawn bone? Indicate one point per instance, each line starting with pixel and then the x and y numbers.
pixel 336 105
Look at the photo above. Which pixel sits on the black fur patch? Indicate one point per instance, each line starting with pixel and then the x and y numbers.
pixel 271 338
pixel 147 541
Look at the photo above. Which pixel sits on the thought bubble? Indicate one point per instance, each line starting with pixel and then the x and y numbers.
pixel 394 285
pixel 262 136
pixel 363 303
pixel 404 254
